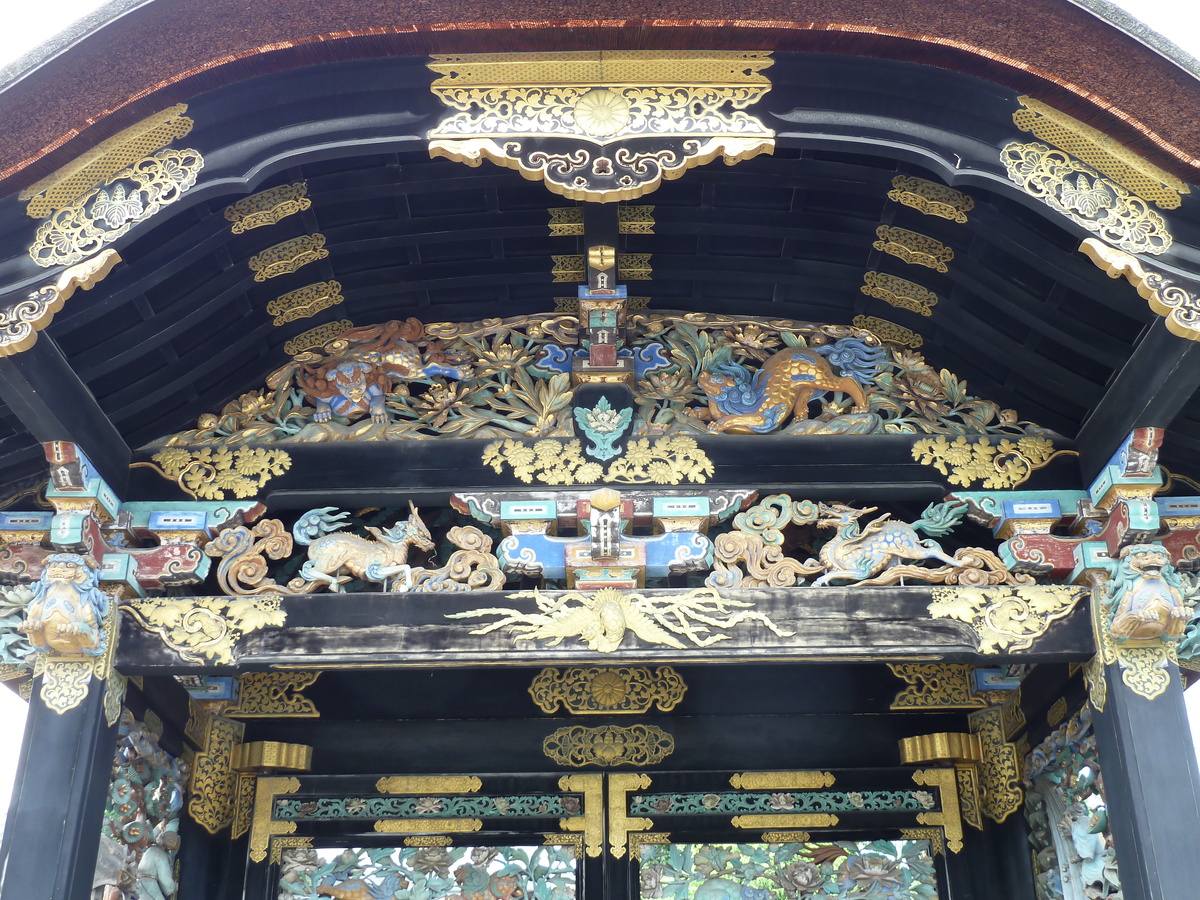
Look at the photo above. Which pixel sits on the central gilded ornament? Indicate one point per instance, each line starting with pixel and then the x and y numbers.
pixel 601 112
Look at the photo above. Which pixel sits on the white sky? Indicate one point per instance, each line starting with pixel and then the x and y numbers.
pixel 26 27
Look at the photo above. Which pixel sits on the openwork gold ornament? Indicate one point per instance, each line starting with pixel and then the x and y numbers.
pixel 967 778
pixel 21 321
pixel 243 804
pixel 638 838
pixel 213 779
pixel 105 160
pixel 288 256
pixel 949 819
pixel 931 198
pixel 1179 306
pixel 568 267
pixel 590 825
pixel 635 219
pixel 1100 152
pixel 305 302
pixel 264 828
pixel 601 126
pixel 1086 197
pixel 205 629
pixel 574 841
pixel 429 784
pixel 287 842
pixel 781 781
pixel 1000 784
pixel 603 617
pixel 66 678
pixel 889 332
pixel 786 820
pixel 428 840
pixel 572 267
pixel 899 292
pixel 1006 618
pixel 105 214
pixel 268 207
pixel 634 267
pixel 408 826
pixel 1145 665
pixel 566 221
pixel 263 695
pixel 790 837
pixel 571 304
pixel 208 473
pixel 936 686
pixel 937 845
pixel 911 247
pixel 317 337
pixel 672 459
pixel 594 690
pixel 1002 465
pixel 608 745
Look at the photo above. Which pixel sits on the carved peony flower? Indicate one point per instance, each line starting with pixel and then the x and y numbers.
pixel 782 801
pixel 924 798
pixel 603 421
pixel 873 873
pixel 710 801
pixel 674 387
pixel 651 881
pixel 856 799
pixel 601 112
pixel 432 860
pixel 429 805
pixel 752 341
pixel 799 878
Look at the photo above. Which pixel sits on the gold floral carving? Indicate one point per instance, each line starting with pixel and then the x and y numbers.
pixel 288 257
pixel 630 267
pixel 949 819
pixel 1057 712
pixel 243 804
pixel 21 321
pixel 889 332
pixel 208 473
pixel 263 825
pixel 213 779
pixel 428 840
pixel 273 695
pixel 105 160
pixel 566 221
pixel 1000 466
pixel 781 781
pixel 287 842
pixel 595 690
pixel 620 823
pixel 608 745
pixel 409 826
pixel 1145 665
pixel 574 841
pixel 1100 152
pixel 317 337
pixel 672 459
pixel 931 198
pixel 107 213
pixel 624 120
pixel 787 837
pixel 1006 618
pixel 635 219
pixel 634 267
pixel 1000 788
pixel 936 686
pixel 590 825
pixel 428 784
pixel 913 248
pixel 114 696
pixel 205 629
pixel 65 679
pixel 899 292
pixel 785 820
pixel 571 304
pixel 967 778
pixel 1179 306
pixel 933 835
pixel 268 207
pixel 1097 684
pixel 1086 197
pixel 601 618
pixel 568 267
pixel 638 838
pixel 305 302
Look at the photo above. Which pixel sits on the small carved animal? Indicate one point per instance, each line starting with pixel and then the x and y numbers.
pixel 332 559
pixel 743 403
pixel 727 889
pixel 854 556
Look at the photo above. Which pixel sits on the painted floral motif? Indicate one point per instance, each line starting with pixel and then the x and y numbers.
pixel 845 870
pixel 603 425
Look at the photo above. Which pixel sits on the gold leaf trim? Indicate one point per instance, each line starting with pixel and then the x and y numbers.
pixel 899 292
pixel 428 840
pixel 1001 793
pixel 635 219
pixel 607 691
pixel 933 835
pixel 21 321
pixel 213 780
pixel 65 679
pixel 671 459
pixel 316 337
pixel 781 781
pixel 936 686
pixel 1101 152
pixel 288 257
pixel 802 820
pixel 1179 306
pixel 287 842
pixel 264 829
pixel 1006 618
pixel 1057 712
pixel 620 823
pixel 889 332
pixel 913 248
pixel 428 784
pixel 305 302
pixel 639 838
pixel 571 304
pixel 205 629
pixel 999 466
pixel 574 841
pixel 268 207
pixel 243 804
pixel 589 825
pixel 786 837
pixel 410 826
pixel 940 747
pixel 1144 665
pixel 274 695
pixel 591 67
pixel 608 745
pixel 259 755
pixel 107 158
pixel 566 221
pixel 949 818
pixel 931 198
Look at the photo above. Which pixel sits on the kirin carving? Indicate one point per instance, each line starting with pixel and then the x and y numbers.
pixel 361 368
pixel 68 609
pixel 333 558
pixel 743 402
pixel 1145 597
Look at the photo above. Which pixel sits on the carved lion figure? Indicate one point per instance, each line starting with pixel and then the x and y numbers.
pixel 1145 597
pixel 68 609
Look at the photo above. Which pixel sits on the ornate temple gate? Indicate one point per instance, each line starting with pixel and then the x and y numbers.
pixel 611 600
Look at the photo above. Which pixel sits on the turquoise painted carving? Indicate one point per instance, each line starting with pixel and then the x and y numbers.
pixel 68 609
pixel 334 558
pixel 1145 598
pixel 603 426
pixel 740 803
pixel 449 807
pixel 15 649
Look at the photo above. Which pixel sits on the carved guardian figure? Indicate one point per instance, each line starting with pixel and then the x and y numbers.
pixel 68 609
pixel 1145 597
pixel 742 402
pixel 334 558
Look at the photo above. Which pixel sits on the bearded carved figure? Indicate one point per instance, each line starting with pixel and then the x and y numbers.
pixel 68 609
pixel 1146 598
